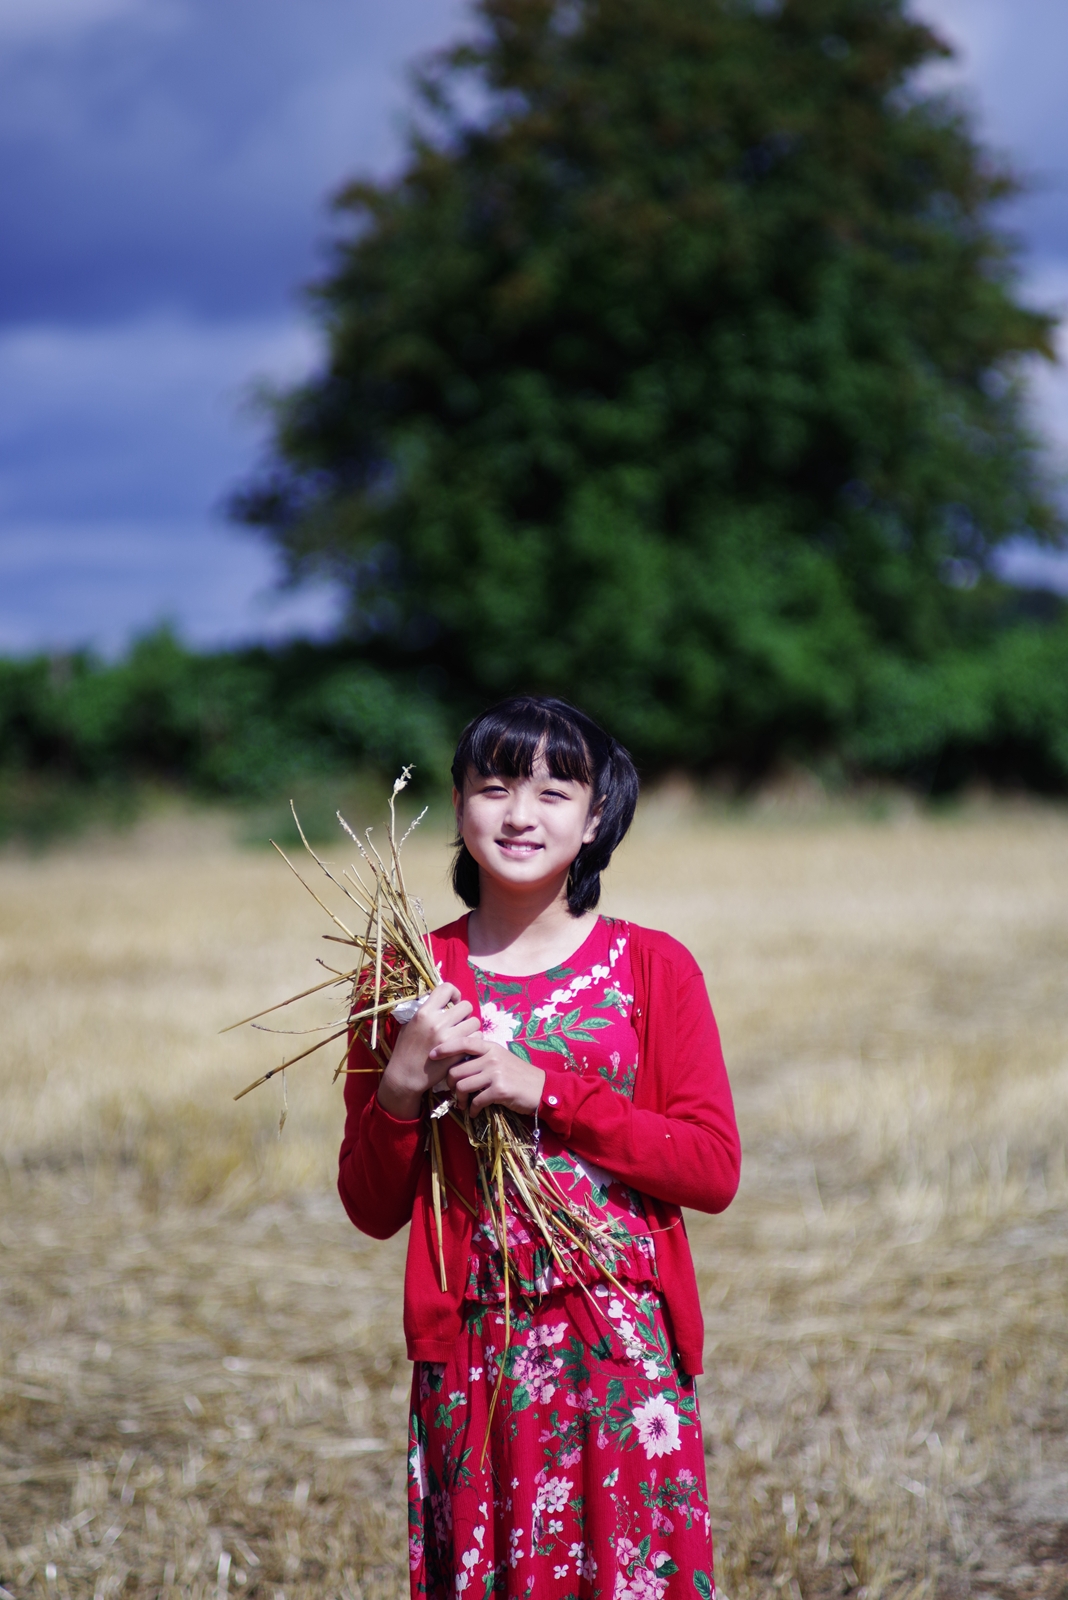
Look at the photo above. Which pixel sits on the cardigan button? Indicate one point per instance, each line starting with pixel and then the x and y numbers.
pixel 552 1100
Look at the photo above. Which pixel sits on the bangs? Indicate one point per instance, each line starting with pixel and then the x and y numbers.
pixel 506 744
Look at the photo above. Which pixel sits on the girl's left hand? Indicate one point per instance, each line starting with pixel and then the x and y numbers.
pixel 493 1076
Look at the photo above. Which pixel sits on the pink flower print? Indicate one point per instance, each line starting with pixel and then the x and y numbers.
pixel 645 1585
pixel 545 1335
pixel 626 1552
pixel 552 1496
pixel 539 1374
pixel 686 1478
pixel 662 1523
pixel 415 1552
pixel 571 1458
pixel 582 1400
pixel 657 1423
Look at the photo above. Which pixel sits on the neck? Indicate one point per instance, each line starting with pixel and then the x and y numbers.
pixel 525 932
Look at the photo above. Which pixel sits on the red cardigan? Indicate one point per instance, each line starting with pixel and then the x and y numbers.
pixel 676 1142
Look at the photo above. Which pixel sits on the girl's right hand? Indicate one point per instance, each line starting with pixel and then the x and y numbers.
pixel 444 1024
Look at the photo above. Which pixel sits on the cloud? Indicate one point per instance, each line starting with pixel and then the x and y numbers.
pixel 180 152
pixel 1009 72
pixel 22 21
pixel 100 583
pixel 117 444
pixel 151 417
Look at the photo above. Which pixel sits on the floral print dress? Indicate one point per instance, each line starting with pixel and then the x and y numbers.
pixel 588 1480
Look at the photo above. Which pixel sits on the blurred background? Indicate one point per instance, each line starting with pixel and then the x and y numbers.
pixel 838 545
pixel 695 359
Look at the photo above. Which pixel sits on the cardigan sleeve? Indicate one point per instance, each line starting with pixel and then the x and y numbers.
pixel 381 1155
pixel 687 1153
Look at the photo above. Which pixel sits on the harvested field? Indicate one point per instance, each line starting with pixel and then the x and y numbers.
pixel 202 1378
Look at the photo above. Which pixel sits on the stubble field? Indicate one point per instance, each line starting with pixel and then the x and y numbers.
pixel 202 1377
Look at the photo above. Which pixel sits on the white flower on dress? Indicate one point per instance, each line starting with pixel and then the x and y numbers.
pixel 600 972
pixel 657 1422
pixel 499 1025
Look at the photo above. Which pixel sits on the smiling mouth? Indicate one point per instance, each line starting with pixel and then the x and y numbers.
pixel 516 847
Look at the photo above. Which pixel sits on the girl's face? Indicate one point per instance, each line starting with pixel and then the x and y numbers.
pixel 524 832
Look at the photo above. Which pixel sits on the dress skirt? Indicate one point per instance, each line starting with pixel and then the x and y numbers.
pixel 588 1482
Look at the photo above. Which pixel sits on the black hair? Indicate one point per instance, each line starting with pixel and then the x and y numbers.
pixel 506 740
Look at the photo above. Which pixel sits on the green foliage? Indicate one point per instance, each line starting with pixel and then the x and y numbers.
pixel 81 741
pixel 683 380
pixel 243 725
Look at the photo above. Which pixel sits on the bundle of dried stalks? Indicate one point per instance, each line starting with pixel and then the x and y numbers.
pixel 393 971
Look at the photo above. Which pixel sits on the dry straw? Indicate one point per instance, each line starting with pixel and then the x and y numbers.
pixel 393 970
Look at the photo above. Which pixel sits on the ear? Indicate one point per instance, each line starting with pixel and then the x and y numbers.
pixel 458 807
pixel 593 821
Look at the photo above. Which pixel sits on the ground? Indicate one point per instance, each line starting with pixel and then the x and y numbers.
pixel 202 1376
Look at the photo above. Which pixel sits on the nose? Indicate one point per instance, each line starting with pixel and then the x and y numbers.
pixel 518 817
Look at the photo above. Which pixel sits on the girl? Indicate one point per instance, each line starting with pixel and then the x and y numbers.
pixel 591 1481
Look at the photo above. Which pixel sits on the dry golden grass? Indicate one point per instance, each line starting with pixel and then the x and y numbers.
pixel 202 1381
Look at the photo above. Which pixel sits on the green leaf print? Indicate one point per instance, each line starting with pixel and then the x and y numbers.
pixel 644 1547
pixel 498 986
pixel 556 974
pixel 702 1583
pixel 616 1391
pixel 520 1397
pixel 666 1569
pixel 519 1050
pixel 558 1164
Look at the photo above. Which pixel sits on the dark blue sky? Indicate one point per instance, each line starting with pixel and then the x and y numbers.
pixel 164 166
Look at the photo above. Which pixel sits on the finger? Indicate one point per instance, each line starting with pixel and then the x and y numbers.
pixel 477 1043
pixel 462 1073
pixel 456 1041
pixel 446 994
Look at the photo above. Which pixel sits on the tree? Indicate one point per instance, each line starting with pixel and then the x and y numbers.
pixel 680 376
